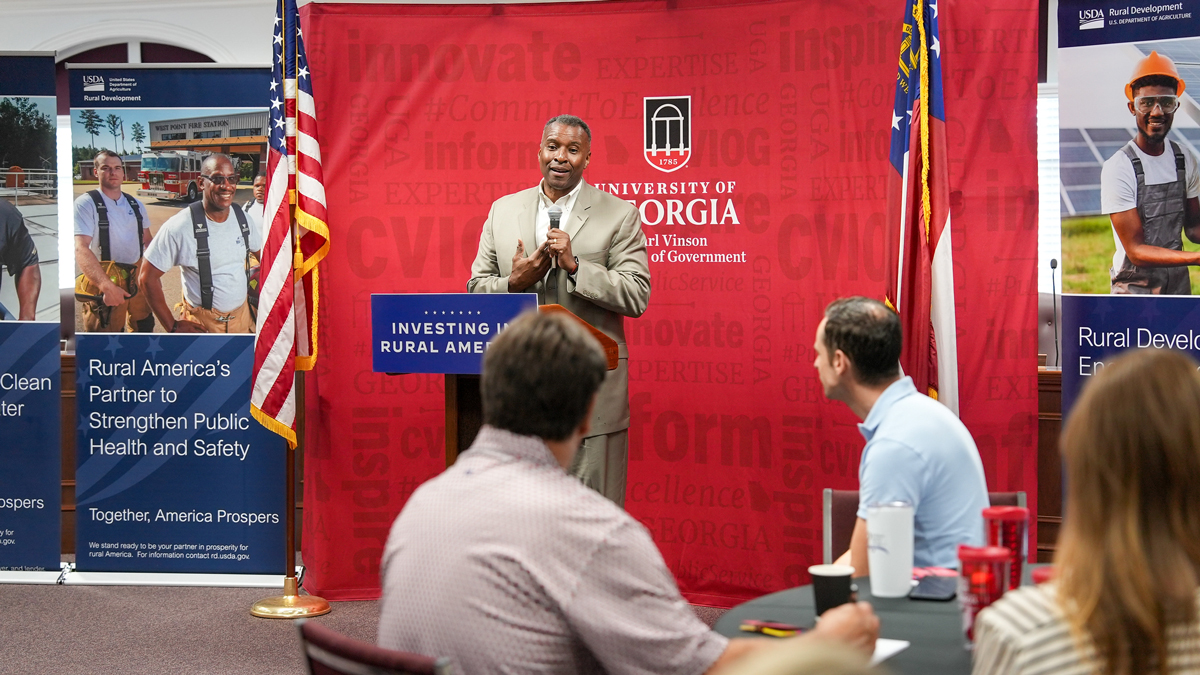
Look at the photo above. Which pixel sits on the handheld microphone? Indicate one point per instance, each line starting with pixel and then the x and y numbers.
pixel 1054 300
pixel 555 213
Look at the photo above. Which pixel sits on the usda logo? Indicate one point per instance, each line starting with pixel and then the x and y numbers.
pixel 93 83
pixel 1091 18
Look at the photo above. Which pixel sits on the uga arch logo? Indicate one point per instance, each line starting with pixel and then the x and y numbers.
pixel 668 132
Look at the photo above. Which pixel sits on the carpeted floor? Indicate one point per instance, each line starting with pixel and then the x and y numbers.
pixel 154 630
pixel 708 615
pixel 48 630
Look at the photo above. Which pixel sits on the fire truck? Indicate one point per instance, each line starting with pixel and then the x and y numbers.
pixel 171 174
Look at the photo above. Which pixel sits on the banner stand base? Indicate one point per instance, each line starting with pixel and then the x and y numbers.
pixel 45 577
pixel 77 578
pixel 290 605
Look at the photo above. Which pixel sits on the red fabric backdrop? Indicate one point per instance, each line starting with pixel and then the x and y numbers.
pixel 428 113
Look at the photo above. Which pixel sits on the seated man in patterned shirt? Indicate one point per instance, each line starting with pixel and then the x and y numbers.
pixel 505 563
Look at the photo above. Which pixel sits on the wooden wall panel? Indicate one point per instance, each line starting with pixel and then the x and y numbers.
pixel 1050 485
pixel 68 453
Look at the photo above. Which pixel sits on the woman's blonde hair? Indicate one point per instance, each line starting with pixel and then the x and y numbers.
pixel 1129 552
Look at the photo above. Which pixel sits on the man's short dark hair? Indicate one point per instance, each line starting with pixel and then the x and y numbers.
pixel 570 121
pixel 1154 81
pixel 868 332
pixel 102 156
pixel 539 376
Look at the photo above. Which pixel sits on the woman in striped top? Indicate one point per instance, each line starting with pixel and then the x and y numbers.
pixel 1125 598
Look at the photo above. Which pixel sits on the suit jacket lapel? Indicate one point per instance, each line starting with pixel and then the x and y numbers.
pixel 526 220
pixel 579 215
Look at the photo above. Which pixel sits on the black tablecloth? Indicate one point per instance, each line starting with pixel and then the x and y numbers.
pixel 933 628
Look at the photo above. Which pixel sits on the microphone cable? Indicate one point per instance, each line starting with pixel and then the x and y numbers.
pixel 1054 301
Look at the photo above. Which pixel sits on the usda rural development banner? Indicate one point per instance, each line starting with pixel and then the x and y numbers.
pixel 172 472
pixel 769 203
pixel 30 363
pixel 1103 47
pixel 1101 327
pixel 31 451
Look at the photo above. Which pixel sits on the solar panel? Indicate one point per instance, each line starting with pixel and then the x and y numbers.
pixel 1076 176
pixel 1086 201
pixel 1079 170
pixel 1186 55
pixel 1191 74
pixel 1070 136
pixel 1109 135
pixel 1177 50
pixel 1107 150
pixel 1072 154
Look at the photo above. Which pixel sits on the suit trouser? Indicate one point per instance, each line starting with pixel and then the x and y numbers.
pixel 601 463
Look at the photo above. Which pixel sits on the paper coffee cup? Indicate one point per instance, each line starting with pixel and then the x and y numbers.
pixel 832 586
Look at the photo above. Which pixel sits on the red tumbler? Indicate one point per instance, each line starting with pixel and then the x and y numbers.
pixel 982 578
pixel 1043 574
pixel 1008 526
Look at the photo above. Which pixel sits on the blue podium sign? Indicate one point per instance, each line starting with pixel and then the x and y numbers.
pixel 1098 327
pixel 172 472
pixel 439 332
pixel 30 446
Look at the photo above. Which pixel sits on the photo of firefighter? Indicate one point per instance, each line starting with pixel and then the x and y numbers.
pixel 112 230
pixel 214 246
pixel 162 204
pixel 19 256
pixel 28 210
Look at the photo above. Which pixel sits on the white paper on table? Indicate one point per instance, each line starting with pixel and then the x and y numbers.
pixel 886 649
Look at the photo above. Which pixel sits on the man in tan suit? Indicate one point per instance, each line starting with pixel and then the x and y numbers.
pixel 595 265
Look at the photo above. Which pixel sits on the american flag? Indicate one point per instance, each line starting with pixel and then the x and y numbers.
pixel 921 282
pixel 293 243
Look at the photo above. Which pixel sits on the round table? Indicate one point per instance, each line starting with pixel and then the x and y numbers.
pixel 933 628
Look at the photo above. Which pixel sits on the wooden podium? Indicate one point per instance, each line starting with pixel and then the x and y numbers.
pixel 464 407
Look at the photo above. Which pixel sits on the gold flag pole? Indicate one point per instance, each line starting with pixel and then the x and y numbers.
pixel 292 605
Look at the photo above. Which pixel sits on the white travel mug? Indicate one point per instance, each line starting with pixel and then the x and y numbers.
pixel 890 548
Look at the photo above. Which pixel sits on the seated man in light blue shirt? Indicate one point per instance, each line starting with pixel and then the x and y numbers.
pixel 917 450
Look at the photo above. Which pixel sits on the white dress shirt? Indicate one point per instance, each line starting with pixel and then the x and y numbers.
pixel 542 227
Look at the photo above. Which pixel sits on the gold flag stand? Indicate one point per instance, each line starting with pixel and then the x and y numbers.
pixel 292 605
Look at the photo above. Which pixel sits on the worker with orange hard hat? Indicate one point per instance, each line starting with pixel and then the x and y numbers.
pixel 1155 65
pixel 1150 189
